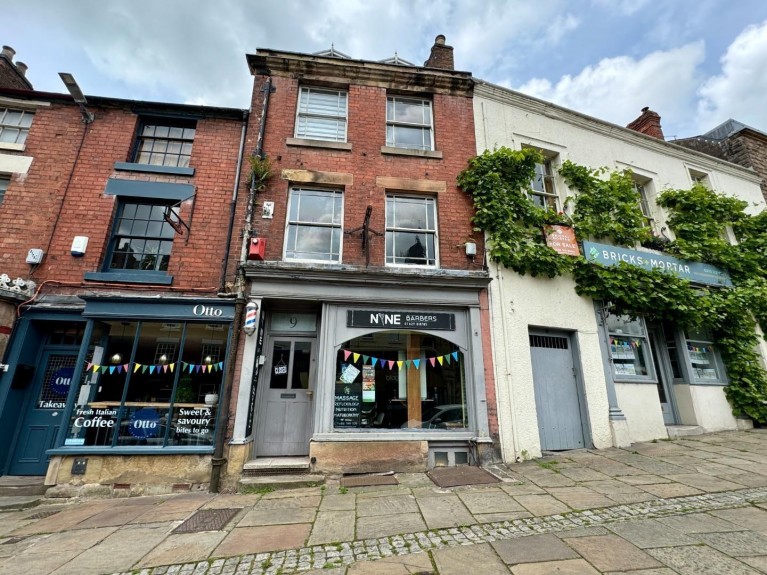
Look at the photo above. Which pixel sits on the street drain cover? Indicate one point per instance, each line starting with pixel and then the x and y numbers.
pixel 42 514
pixel 207 520
pixel 367 480
pixel 461 475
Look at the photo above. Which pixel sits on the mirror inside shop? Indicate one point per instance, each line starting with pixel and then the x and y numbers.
pixel 402 380
pixel 149 384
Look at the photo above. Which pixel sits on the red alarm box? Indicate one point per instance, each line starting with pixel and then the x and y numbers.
pixel 256 248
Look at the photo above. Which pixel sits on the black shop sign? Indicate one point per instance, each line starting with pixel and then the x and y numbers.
pixel 400 319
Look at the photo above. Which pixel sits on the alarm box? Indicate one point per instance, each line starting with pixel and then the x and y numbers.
pixel 256 248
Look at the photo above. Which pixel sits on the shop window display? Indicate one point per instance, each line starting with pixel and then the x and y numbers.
pixel 149 384
pixel 402 380
pixel 629 350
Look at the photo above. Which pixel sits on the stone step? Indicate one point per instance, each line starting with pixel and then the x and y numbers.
pixel 676 431
pixel 15 502
pixel 19 486
pixel 274 482
pixel 276 466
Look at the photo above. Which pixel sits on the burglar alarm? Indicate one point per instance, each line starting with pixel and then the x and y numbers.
pixel 79 245
pixel 34 256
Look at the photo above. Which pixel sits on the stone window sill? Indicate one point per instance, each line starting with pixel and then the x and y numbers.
pixel 150 169
pixel 13 147
pixel 303 142
pixel 126 277
pixel 436 155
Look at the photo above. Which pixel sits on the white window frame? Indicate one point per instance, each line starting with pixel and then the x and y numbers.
pixel 698 177
pixel 544 175
pixel 21 137
pixel 303 113
pixel 295 192
pixel 390 228
pixel 616 349
pixel 642 188
pixel 5 182
pixel 694 359
pixel 392 143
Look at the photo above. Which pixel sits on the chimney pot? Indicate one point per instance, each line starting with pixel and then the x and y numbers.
pixel 22 68
pixel 440 39
pixel 8 52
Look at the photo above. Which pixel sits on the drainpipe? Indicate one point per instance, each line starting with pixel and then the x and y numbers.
pixel 218 460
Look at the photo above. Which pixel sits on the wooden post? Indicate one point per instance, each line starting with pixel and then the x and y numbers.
pixel 414 411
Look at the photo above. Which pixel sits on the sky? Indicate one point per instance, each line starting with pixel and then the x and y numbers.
pixel 695 62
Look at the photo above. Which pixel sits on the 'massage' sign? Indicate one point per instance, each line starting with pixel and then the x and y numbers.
pixel 400 319
pixel 694 271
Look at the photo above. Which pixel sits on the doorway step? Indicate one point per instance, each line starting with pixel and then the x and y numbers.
pixel 21 492
pixel 677 431
pixel 269 473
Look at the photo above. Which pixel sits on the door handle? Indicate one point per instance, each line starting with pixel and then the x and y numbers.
pixel 309 393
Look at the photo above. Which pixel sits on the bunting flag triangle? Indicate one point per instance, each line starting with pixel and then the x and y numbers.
pixel 197 368
pixel 136 367
pixel 151 369
pixel 417 363
pixel 172 366
pixel 373 361
pixel 104 368
pixel 165 369
pixel 125 367
pixel 431 361
pixel 111 369
pixel 210 368
pixel 356 357
pixel 440 359
pixel 220 365
pixel 347 353
pixel 383 362
pixel 119 369
pixel 399 364
pixel 391 364
pixel 88 367
pixel 407 363
pixel 455 355
pixel 96 368
pixel 447 357
pixel 144 368
pixel 365 359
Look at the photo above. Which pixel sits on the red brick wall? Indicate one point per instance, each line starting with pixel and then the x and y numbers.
pixel 35 201
pixel 454 137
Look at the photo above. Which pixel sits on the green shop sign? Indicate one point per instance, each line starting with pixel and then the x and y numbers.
pixel 694 271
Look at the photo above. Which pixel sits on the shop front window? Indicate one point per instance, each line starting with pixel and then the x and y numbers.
pixel 149 384
pixel 629 349
pixel 402 380
pixel 704 361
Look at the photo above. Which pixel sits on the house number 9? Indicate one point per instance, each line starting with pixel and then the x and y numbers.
pixel 293 321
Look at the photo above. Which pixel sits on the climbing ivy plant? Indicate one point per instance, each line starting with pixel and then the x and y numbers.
pixel 606 207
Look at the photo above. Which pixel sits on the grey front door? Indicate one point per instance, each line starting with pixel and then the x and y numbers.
pixel 285 413
pixel 44 412
pixel 663 373
pixel 557 399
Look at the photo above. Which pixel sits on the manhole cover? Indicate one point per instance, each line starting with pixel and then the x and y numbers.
pixel 207 520
pixel 366 480
pixel 42 514
pixel 461 475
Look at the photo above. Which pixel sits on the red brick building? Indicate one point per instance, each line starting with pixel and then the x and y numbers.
pixel 118 217
pixel 365 268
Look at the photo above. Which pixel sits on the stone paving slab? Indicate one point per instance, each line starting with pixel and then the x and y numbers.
pixel 542 504
pixel 736 543
pixel 533 549
pixel 462 560
pixel 444 511
pixel 389 505
pixel 182 548
pixel 646 533
pixel 699 523
pixel 567 567
pixel 286 516
pixel 752 518
pixel 700 560
pixel 332 526
pixel 385 525
pixel 411 564
pixel 611 553
pixel 244 540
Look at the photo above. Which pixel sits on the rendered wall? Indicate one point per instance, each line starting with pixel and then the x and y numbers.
pixel 641 406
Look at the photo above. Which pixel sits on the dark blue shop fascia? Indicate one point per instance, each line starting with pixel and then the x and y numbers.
pixel 165 308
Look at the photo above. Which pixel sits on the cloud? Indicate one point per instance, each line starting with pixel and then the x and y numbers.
pixel 739 91
pixel 616 89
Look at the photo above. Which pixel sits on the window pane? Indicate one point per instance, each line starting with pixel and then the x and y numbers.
pixel 301 364
pixel 410 112
pixel 624 325
pixel 410 138
pixel 161 131
pixel 316 207
pixel 322 102
pixel 12 118
pixel 321 128
pixel 391 386
pixel 312 243
pixel 412 248
pixel 410 213
pixel 176 132
pixel 26 120
pixel 9 135
pixel 280 367
pixel 629 355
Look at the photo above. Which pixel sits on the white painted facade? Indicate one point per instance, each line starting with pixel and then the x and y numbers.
pixel 519 303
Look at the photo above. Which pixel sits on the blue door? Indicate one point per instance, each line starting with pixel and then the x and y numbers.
pixel 44 412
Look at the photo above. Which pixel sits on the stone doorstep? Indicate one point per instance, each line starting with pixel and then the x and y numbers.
pixel 677 431
pixel 17 502
pixel 16 486
pixel 272 482
pixel 276 466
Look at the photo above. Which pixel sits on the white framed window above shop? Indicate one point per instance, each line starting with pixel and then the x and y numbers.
pixel 700 178
pixel 543 191
pixel 5 181
pixel 411 230
pixel 14 125
pixel 704 361
pixel 643 188
pixel 409 123
pixel 314 225
pixel 629 348
pixel 322 114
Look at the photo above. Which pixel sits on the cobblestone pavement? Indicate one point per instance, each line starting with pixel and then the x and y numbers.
pixel 692 506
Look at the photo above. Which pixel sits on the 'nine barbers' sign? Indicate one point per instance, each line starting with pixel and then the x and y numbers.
pixel 400 319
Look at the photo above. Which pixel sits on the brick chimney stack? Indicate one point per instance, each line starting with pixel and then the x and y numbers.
pixel 13 74
pixel 441 55
pixel 648 123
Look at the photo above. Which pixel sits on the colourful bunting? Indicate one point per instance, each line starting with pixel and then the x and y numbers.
pixel 417 363
pixel 399 364
pixel 365 359
pixel 455 355
pixel 440 359
pixel 356 357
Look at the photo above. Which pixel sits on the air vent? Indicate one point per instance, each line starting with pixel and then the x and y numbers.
pixel 548 341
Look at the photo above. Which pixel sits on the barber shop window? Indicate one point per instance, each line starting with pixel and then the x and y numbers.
pixel 403 380
pixel 150 384
pixel 629 348
pixel 411 230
